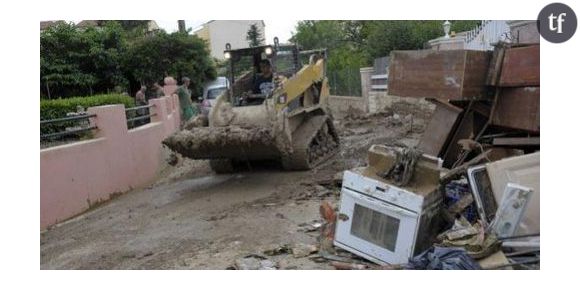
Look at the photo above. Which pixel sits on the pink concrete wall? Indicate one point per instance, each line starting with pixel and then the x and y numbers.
pixel 75 176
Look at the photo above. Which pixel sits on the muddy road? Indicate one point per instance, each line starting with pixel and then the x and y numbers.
pixel 192 218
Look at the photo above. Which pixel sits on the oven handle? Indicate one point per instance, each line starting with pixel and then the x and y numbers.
pixel 390 207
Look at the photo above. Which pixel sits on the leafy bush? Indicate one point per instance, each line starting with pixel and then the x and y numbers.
pixel 77 62
pixel 58 108
pixel 118 56
pixel 177 54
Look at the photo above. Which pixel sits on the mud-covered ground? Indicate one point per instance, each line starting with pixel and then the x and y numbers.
pixel 192 218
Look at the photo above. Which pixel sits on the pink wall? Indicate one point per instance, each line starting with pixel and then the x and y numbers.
pixel 75 176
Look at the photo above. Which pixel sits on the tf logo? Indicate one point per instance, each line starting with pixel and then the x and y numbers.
pixel 557 22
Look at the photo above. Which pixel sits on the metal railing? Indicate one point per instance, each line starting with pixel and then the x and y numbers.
pixel 73 130
pixel 139 116
pixel 379 82
pixel 345 82
pixel 489 32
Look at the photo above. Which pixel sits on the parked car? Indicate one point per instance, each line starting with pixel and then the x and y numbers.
pixel 212 90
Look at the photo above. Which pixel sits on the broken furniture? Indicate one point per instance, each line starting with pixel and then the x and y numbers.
pixel 449 74
pixel 518 108
pixel 521 66
pixel 442 123
pixel 384 223
pixel 490 98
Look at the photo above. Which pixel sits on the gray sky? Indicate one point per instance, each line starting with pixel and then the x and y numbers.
pixel 281 28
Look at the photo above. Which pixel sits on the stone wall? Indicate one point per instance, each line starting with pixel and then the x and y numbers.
pixel 379 101
pixel 341 106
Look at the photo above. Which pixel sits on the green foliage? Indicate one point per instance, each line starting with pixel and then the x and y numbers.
pixel 129 25
pixel 180 55
pixel 344 56
pixel 312 34
pixel 330 34
pixel 254 36
pixel 58 108
pixel 75 61
pixel 353 44
pixel 118 56
pixel 385 36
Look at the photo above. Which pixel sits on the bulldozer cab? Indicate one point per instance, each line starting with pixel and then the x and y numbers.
pixel 244 69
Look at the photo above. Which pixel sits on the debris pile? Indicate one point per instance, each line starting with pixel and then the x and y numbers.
pixel 467 197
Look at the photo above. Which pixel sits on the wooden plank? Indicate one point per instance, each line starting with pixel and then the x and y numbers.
pixel 469 126
pixel 440 126
pixel 495 65
pixel 517 141
pixel 463 167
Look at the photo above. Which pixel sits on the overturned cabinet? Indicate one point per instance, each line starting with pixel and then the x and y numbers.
pixel 449 74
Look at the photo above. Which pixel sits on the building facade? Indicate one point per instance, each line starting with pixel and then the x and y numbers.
pixel 219 32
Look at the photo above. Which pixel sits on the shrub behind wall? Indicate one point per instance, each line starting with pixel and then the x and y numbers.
pixel 58 108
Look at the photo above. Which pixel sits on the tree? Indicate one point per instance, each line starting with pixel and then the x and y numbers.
pixel 385 36
pixel 371 39
pixel 80 62
pixel 353 44
pixel 152 58
pixel 332 35
pixel 254 36
pixel 118 54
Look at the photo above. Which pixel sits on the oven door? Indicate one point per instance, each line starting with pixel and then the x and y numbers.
pixel 379 231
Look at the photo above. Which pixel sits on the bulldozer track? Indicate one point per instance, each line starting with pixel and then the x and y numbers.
pixel 314 142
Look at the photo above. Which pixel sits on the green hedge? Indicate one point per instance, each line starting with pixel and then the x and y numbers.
pixel 58 108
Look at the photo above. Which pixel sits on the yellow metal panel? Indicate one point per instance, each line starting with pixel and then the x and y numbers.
pixel 297 84
pixel 324 91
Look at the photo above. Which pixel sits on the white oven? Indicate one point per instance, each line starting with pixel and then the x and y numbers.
pixel 384 223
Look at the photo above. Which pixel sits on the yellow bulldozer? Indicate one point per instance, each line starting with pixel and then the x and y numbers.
pixel 287 120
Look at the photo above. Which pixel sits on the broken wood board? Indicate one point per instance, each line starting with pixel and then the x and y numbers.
pixel 517 141
pixel 440 126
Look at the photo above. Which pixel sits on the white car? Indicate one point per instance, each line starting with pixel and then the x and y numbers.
pixel 211 91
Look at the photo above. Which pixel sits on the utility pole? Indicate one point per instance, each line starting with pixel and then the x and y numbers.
pixel 181 26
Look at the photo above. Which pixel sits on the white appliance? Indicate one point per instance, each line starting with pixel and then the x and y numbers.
pixel 525 171
pixel 384 223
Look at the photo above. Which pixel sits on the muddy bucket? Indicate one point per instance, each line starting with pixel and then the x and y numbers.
pixel 224 143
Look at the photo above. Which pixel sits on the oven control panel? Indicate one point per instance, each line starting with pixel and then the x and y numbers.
pixel 382 191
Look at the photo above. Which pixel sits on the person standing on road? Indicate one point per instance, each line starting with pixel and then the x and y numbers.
pixel 187 109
